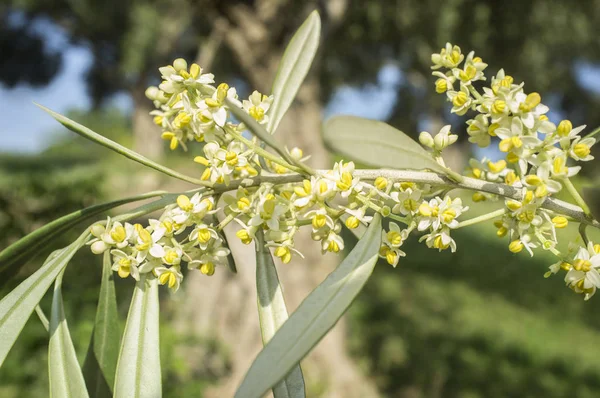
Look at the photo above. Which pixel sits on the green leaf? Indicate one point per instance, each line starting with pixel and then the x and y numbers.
pixel 272 313
pixel 293 67
pixel 376 144
pixel 258 130
pixel 315 316
pixel 103 351
pixel 138 368
pixel 17 254
pixel 66 379
pixel 118 148
pixel 17 306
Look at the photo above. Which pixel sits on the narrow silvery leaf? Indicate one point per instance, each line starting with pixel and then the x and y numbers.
pixel 138 368
pixel 272 313
pixel 315 316
pixel 118 148
pixel 15 255
pixel 293 67
pixel 18 305
pixel 66 379
pixel 101 359
pixel 258 130
pixel 376 144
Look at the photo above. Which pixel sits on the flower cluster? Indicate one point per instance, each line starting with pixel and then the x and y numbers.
pixel 537 160
pixel 538 155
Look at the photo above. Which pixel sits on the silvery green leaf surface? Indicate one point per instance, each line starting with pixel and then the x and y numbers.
pixel 138 367
pixel 315 316
pixel 376 144
pixel 293 67
pixel 18 305
pixel 118 148
pixel 103 351
pixel 272 313
pixel 66 379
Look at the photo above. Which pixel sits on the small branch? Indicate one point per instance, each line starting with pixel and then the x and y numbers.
pixel 575 194
pixel 484 217
pixel 422 177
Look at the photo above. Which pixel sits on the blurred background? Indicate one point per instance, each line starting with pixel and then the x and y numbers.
pixel 480 323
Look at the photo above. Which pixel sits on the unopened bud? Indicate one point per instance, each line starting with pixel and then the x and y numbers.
pixel 426 139
pixel 180 64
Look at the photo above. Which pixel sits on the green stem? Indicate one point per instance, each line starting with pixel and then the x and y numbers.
pixel 484 217
pixel 262 152
pixel 575 194
pixel 593 133
pixel 475 93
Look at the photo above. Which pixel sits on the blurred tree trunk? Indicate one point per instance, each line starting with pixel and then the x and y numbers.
pixel 223 307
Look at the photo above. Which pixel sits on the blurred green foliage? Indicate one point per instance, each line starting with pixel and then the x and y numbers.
pixel 481 322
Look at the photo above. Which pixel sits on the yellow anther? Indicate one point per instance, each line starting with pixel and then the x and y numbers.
pixel 565 266
pixel 497 167
pixel 304 190
pixel 478 197
pixel 410 205
pixel 212 103
pixel 564 128
pixel 510 178
pixel 204 235
pixel 559 165
pixel 581 150
pixel 448 215
pixel 513 205
pixel 222 92
pixel 231 158
pixel 207 269
pixel 467 74
pixel 543 118
pixel 257 113
pixel 171 257
pixel 533 179
pixel 182 120
pixel 195 71
pixel 441 86
pixel 345 181
pixel 168 226
pixel 244 236
pixel 124 271
pixel 455 56
pixel 333 246
pixel 319 221
pixel 560 222
pixel 184 203
pixel 207 203
pixel 528 197
pixel 118 234
pixel 381 183
pixel 323 187
pixel 391 257
pixel 476 172
pixel 158 120
pixel 352 222
pixel 201 160
pixel 531 101
pixel 167 135
pixel 438 243
pixel 394 238
pixel 460 99
pixel 541 191
pixel 516 141
pixel 507 81
pixel 582 265
pixel 425 210
pixel 477 60
pixel 515 246
pixel 284 254
pixel 146 238
pixel 498 106
pixel 501 232
pixel 168 278
pixel 173 144
pixel 492 129
pixel 505 145
pixel 243 203
pixel 206 174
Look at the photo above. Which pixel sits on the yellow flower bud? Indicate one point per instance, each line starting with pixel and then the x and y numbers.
pixel 352 222
pixel 497 167
pixel 207 269
pixel 244 236
pixel 498 106
pixel 478 197
pixel 381 183
pixel 564 128
pixel 441 86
